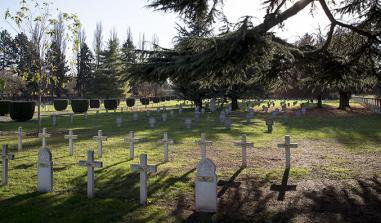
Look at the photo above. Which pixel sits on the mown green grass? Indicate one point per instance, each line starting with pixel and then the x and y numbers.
pixel 117 188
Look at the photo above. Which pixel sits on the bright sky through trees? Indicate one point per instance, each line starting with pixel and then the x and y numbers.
pixel 121 14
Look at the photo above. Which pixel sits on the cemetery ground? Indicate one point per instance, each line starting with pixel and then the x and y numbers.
pixel 335 173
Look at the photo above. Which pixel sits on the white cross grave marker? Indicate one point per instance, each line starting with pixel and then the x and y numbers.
pixel 90 164
pixel 100 139
pixel 132 140
pixel 203 143
pixel 243 144
pixel 54 120
pixel 71 137
pixel 71 117
pixel 143 168
pixel 287 145
pixel 166 141
pixel 19 139
pixel 43 136
pixel 5 157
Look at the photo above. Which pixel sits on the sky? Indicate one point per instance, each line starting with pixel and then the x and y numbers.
pixel 121 14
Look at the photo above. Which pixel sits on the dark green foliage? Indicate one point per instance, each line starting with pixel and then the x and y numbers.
pixel 130 102
pixel 85 68
pixel 144 101
pixel 21 110
pixel 162 98
pixel 60 104
pixel 155 99
pixel 95 103
pixel 80 105
pixel 4 107
pixel 110 104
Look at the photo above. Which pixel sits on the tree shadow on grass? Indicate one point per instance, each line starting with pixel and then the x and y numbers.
pixel 360 204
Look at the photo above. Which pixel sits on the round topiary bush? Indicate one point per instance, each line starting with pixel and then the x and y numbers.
pixel 60 104
pixel 167 98
pixel 144 101
pixel 4 107
pixel 95 103
pixel 79 105
pixel 110 104
pixel 155 99
pixel 21 110
pixel 130 102
pixel 162 98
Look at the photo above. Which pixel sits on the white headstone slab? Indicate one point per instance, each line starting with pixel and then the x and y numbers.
pixel 119 122
pixel 303 111
pixel 164 117
pixel 135 116
pixel 152 122
pixel 172 113
pixel 44 170
pixel 148 113
pixel 228 123
pixel 188 123
pixel 4 158
pixel 71 117
pixel 212 105
pixel 206 186
pixel 197 116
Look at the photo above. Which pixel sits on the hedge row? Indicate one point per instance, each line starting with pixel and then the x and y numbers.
pixel 21 110
pixel 4 107
pixel 60 104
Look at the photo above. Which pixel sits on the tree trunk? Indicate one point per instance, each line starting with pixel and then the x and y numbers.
pixel 319 102
pixel 344 100
pixel 198 102
pixel 234 103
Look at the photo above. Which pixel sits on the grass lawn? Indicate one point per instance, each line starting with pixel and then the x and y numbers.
pixel 336 169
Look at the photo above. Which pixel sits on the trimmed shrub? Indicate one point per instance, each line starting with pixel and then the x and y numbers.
pixel 4 107
pixel 167 98
pixel 162 98
pixel 21 110
pixel 155 99
pixel 79 105
pixel 60 104
pixel 110 104
pixel 144 101
pixel 95 103
pixel 130 102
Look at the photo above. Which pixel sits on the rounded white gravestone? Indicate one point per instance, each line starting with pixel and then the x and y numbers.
pixel 44 170
pixel 206 186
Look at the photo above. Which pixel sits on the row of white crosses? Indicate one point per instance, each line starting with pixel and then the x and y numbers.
pixel 206 195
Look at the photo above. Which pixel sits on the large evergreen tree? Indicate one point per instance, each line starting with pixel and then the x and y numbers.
pixel 85 67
